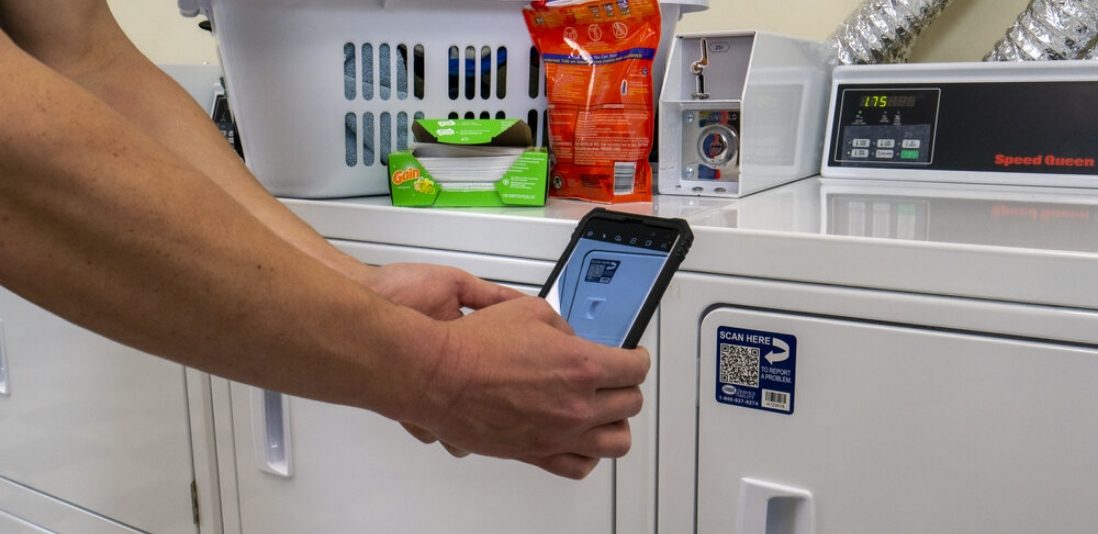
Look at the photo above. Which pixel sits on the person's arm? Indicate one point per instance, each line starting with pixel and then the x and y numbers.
pixel 82 41
pixel 104 226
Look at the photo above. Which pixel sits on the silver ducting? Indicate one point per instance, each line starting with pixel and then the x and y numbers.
pixel 1049 29
pixel 882 31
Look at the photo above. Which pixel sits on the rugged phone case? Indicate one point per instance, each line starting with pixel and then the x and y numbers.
pixel 674 259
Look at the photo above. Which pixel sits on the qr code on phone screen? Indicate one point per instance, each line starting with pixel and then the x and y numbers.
pixel 739 365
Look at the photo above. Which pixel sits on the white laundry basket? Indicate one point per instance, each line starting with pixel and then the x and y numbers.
pixel 324 90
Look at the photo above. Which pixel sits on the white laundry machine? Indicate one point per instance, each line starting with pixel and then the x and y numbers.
pixel 95 434
pixel 342 470
pixel 921 359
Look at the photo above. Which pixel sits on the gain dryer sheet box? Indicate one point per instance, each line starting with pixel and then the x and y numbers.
pixel 469 163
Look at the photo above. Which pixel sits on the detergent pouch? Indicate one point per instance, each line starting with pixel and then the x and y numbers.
pixel 598 58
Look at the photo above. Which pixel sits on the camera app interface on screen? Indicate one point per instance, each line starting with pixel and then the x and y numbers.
pixel 606 279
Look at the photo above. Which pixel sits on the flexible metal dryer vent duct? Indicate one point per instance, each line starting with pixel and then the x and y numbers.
pixel 1050 29
pixel 882 31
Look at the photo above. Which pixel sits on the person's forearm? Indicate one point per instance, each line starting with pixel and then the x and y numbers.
pixel 147 97
pixel 103 226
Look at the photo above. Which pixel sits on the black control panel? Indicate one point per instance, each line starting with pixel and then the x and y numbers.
pixel 893 126
pixel 1004 126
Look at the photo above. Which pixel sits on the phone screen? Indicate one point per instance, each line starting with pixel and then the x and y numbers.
pixel 608 276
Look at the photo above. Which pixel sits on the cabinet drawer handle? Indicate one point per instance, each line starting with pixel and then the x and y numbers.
pixel 271 432
pixel 5 385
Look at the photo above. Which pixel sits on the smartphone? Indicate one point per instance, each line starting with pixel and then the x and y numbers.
pixel 613 273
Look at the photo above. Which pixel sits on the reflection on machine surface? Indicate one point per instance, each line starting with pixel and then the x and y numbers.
pixel 1013 216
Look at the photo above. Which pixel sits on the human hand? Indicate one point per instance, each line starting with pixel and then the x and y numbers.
pixel 512 381
pixel 437 291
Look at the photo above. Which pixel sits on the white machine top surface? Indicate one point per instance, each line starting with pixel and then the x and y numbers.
pixel 1006 243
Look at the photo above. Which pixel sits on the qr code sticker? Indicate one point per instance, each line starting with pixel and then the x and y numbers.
pixel 739 365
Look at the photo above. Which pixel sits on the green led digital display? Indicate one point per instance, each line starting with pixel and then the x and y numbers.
pixel 885 100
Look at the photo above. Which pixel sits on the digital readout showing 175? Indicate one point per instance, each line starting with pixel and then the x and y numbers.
pixel 887 100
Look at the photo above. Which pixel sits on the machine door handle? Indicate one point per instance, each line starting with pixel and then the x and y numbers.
pixel 271 432
pixel 768 508
pixel 5 385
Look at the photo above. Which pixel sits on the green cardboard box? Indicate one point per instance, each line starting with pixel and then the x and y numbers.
pixel 470 162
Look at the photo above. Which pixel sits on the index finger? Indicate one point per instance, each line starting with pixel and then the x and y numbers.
pixel 476 293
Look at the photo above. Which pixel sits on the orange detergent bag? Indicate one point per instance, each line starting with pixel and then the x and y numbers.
pixel 598 59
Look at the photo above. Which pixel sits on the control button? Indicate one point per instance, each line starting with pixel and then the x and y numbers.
pixel 909 154
pixel 884 154
pixel 859 153
pixel 911 143
pixel 886 143
pixel 861 143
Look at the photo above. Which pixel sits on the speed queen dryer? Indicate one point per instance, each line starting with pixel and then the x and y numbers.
pixel 922 361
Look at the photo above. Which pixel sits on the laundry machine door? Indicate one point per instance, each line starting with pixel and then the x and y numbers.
pixel 27 511
pixel 343 469
pixel 881 427
pixel 93 423
pixel 15 525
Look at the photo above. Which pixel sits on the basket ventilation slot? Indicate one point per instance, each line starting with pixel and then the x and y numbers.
pixel 383 71
pixel 379 135
pixel 477 73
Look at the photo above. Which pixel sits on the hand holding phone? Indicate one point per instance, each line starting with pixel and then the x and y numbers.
pixel 613 273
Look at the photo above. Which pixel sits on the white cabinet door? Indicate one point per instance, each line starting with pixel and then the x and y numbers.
pixel 24 510
pixel 340 469
pixel 353 471
pixel 92 423
pixel 14 525
pixel 895 429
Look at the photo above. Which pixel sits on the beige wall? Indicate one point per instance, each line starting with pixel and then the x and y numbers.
pixel 966 30
pixel 162 33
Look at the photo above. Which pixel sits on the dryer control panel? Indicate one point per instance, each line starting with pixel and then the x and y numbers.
pixel 965 122
pixel 887 125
